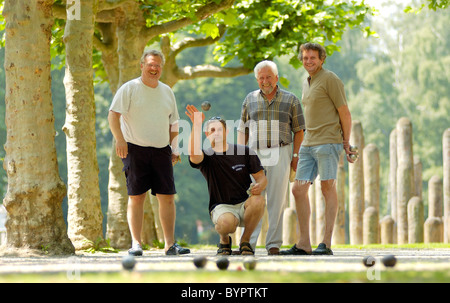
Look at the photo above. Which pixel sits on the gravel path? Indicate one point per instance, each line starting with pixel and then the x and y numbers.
pixel 155 260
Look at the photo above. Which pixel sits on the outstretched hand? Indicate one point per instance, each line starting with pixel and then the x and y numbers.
pixel 197 117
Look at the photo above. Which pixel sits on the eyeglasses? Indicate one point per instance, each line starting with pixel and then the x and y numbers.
pixel 156 66
pixel 217 118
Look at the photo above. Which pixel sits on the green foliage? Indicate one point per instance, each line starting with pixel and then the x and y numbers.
pixel 269 29
pixel 432 4
pixel 100 245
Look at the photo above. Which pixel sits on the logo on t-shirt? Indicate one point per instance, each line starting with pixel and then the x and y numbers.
pixel 238 167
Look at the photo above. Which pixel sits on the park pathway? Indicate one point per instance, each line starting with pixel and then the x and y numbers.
pixel 343 260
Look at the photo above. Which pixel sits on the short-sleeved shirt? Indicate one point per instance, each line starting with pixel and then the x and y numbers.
pixel 270 124
pixel 146 113
pixel 228 174
pixel 322 95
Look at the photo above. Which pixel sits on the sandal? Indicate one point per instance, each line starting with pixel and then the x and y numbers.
pixel 246 249
pixel 224 249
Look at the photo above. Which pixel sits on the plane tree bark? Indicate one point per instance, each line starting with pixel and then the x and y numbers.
pixel 84 205
pixel 33 201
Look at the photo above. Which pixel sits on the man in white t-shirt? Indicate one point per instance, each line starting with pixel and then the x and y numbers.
pixel 143 118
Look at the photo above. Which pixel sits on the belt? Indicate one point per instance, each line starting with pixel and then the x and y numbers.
pixel 278 145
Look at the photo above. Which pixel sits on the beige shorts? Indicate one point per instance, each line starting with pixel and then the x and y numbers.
pixel 237 210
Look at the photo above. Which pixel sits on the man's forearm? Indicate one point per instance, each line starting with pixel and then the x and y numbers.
pixel 114 125
pixel 195 138
pixel 174 132
pixel 298 139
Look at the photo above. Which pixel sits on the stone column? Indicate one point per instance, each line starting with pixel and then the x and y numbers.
pixel 435 197
pixel 433 230
pixel 339 223
pixel 434 224
pixel 372 177
pixel 446 162
pixel 415 220
pixel 417 189
pixel 387 230
pixel 370 226
pixel 356 187
pixel 405 176
pixel 392 187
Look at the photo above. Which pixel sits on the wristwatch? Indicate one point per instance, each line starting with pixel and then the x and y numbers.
pixel 295 155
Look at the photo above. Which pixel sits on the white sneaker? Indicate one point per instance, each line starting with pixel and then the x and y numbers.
pixel 135 250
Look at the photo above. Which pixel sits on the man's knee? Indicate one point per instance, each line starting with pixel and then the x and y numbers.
pixel 227 222
pixel 137 199
pixel 300 188
pixel 255 203
pixel 328 186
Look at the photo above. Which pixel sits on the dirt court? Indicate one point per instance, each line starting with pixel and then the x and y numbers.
pixel 343 260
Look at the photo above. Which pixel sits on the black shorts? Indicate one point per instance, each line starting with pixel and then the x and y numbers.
pixel 149 168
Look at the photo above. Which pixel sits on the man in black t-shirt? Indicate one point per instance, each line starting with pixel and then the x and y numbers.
pixel 227 169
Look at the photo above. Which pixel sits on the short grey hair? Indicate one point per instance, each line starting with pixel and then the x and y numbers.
pixel 153 52
pixel 266 63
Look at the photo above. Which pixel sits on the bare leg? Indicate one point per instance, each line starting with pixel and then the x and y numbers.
pixel 226 225
pixel 331 206
pixel 300 192
pixel 254 210
pixel 135 216
pixel 167 214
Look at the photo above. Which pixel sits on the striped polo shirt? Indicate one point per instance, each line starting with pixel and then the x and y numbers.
pixel 271 124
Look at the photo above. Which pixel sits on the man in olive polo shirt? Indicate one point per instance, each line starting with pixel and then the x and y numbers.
pixel 328 124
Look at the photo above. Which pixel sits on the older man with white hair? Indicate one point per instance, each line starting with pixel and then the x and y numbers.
pixel 272 124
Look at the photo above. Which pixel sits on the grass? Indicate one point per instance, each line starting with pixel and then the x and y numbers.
pixel 200 276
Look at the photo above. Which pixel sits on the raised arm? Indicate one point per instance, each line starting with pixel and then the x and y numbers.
pixel 195 138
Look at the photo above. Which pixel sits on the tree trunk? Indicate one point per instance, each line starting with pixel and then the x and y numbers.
pixel 405 176
pixel 35 190
pixel 85 215
pixel 130 49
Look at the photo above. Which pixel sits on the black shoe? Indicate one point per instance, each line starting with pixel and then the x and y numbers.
pixel 294 251
pixel 225 249
pixel 135 250
pixel 177 250
pixel 322 249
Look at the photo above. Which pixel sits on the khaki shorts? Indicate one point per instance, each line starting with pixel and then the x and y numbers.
pixel 237 210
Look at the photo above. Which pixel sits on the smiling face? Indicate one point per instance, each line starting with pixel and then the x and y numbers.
pixel 267 80
pixel 151 69
pixel 312 61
